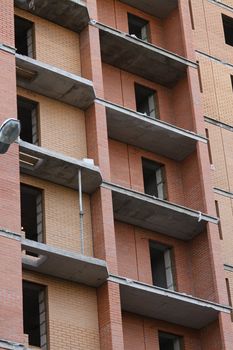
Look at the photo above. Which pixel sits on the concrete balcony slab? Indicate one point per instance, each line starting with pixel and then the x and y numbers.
pixel 156 214
pixel 54 82
pixel 141 58
pixel 58 168
pixel 167 305
pixel 153 135
pixel 63 264
pixel 158 8
pixel 71 14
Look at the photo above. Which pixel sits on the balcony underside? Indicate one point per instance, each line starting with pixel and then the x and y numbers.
pixel 57 168
pixel 141 58
pixel 157 215
pixel 166 305
pixel 71 14
pixel 54 82
pixel 158 8
pixel 153 135
pixel 63 264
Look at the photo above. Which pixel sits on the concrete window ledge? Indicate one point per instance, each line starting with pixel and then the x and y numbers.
pixel 53 82
pixel 63 264
pixel 58 168
pixel 158 8
pixel 71 14
pixel 156 214
pixel 153 135
pixel 166 305
pixel 141 58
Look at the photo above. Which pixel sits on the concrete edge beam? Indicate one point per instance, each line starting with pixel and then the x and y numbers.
pixel 154 135
pixel 54 82
pixel 71 14
pixel 160 303
pixel 9 234
pixel 141 58
pixel 156 214
pixel 10 345
pixel 64 264
pixel 158 8
pixel 58 168
pixel 228 267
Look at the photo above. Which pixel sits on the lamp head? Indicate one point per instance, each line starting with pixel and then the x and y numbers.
pixel 9 132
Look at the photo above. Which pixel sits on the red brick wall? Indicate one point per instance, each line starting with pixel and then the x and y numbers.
pixel 114 14
pixel 10 254
pixel 174 103
pixel 193 272
pixel 142 333
pixel 183 180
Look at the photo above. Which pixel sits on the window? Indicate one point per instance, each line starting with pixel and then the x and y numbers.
pixel 228 29
pixel 154 178
pixel 138 27
pixel 27 114
pixel 162 265
pixel 24 36
pixel 146 101
pixel 169 341
pixel 31 212
pixel 34 314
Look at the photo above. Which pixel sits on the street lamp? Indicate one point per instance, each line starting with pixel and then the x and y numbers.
pixel 9 132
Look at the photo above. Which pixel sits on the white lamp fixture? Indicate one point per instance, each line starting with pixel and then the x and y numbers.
pixel 9 132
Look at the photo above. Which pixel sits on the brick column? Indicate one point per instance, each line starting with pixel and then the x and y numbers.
pixel 109 306
pixel 11 320
pixel 110 321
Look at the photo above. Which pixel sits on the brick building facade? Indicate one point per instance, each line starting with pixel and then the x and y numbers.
pixel 116 204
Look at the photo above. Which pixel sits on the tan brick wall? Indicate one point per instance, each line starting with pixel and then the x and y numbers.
pixel 209 32
pixel 61 127
pixel 61 216
pixel 54 44
pixel 72 313
pixel 217 90
pixel 221 149
pixel 226 216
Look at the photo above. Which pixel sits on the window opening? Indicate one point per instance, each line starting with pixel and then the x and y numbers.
pixel 154 178
pixel 219 223
pixel 146 101
pixel 31 212
pixel 169 341
pixel 138 27
pixel 228 29
pixel 162 265
pixel 27 114
pixel 24 36
pixel 34 314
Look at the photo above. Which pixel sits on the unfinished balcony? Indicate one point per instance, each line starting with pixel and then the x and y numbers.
pixel 71 14
pixel 157 214
pixel 153 135
pixel 167 305
pixel 136 56
pixel 58 168
pixel 63 264
pixel 159 8
pixel 53 82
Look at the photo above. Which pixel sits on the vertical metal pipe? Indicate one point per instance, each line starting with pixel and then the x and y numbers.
pixel 81 209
